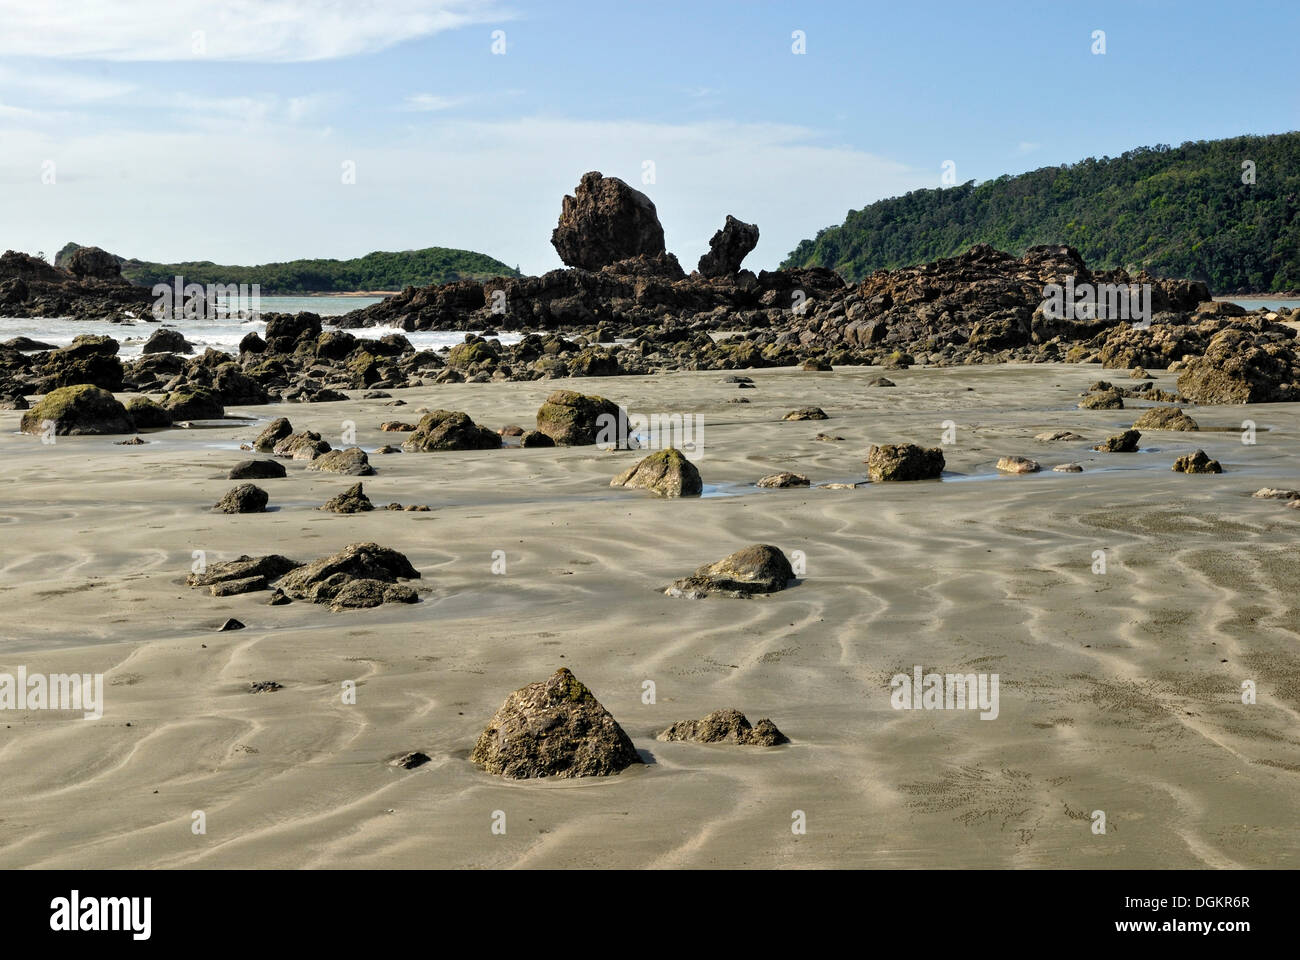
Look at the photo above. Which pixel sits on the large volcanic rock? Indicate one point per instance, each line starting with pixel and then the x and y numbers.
pixel 88 359
pixel 553 728
pixel 728 248
pixel 903 461
pixel 450 430
pixel 367 572
pixel 81 409
pixel 1239 366
pixel 95 264
pixel 576 419
pixel 606 221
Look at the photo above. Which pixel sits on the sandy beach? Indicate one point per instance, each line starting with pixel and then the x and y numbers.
pixel 1120 692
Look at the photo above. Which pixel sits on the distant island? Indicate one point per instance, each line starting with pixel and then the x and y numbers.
pixel 379 271
pixel 1220 211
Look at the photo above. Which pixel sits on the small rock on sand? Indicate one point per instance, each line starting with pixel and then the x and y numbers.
pixel 1018 465
pixel 725 726
pixel 780 480
pixel 1198 462
pixel 760 568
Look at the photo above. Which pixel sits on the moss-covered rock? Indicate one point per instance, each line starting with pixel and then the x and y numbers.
pixel 760 568
pixel 78 410
pixel 87 360
pixel 450 430
pixel 195 403
pixel 144 413
pixel 575 419
pixel 666 472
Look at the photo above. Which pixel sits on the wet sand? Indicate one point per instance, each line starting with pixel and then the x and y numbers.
pixel 1119 692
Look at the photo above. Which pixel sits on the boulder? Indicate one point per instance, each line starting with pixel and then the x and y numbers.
pixel 144 413
pixel 450 430
pixel 760 568
pixel 267 568
pixel 351 500
pixel 256 470
pixel 605 221
pixel 903 461
pixel 666 472
pixel 806 413
pixel 245 498
pixel 553 728
pixel 1197 462
pixel 351 462
pixel 1017 465
pixel 1126 442
pixel 575 419
pixel 787 479
pixel 94 263
pixel 363 593
pixel 535 438
pixel 1165 418
pixel 1110 399
pixel 194 403
pixel 167 340
pixel 88 359
pixel 1270 493
pixel 1237 369
pixel 277 430
pixel 322 579
pixel 78 410
pixel 725 726
pixel 301 446
pixel 728 248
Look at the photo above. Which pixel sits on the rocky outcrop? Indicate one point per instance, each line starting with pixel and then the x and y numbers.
pixel 88 359
pixel 666 472
pixel 278 429
pixel 760 568
pixel 553 728
pixel 244 569
pixel 728 248
pixel 306 445
pixel 903 461
pixel 605 221
pixel 725 726
pixel 92 288
pixel 77 410
pixel 195 403
pixel 322 580
pixel 1240 367
pixel 450 430
pixel 144 413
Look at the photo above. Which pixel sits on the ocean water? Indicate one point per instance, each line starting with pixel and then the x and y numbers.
pixel 224 334
pixel 1256 304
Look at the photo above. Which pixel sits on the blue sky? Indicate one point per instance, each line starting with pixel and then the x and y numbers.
pixel 184 129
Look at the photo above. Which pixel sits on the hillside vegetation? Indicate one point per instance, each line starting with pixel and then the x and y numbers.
pixel 1175 211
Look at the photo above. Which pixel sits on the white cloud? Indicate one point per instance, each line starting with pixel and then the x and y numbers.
pixel 430 102
pixel 255 30
pixel 489 186
pixel 1027 147
pixel 62 87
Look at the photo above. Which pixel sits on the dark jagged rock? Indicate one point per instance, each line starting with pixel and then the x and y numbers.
pixel 351 462
pixel 91 289
pixel 903 461
pixel 322 580
pixel 1238 368
pixel 1126 442
pixel 1198 462
pixel 666 472
pixel 725 726
pixel 265 686
pixel 351 500
pixel 301 446
pixel 806 413
pixel 409 761
pixel 256 470
pixel 270 567
pixel 88 359
pixel 166 340
pixel 1165 418
pixel 230 624
pixel 535 438
pixel 77 410
pixel 450 430
pixel 760 568
pixel 277 430
pixel 605 221
pixel 728 248
pixel 194 403
pixel 553 728
pixel 245 498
